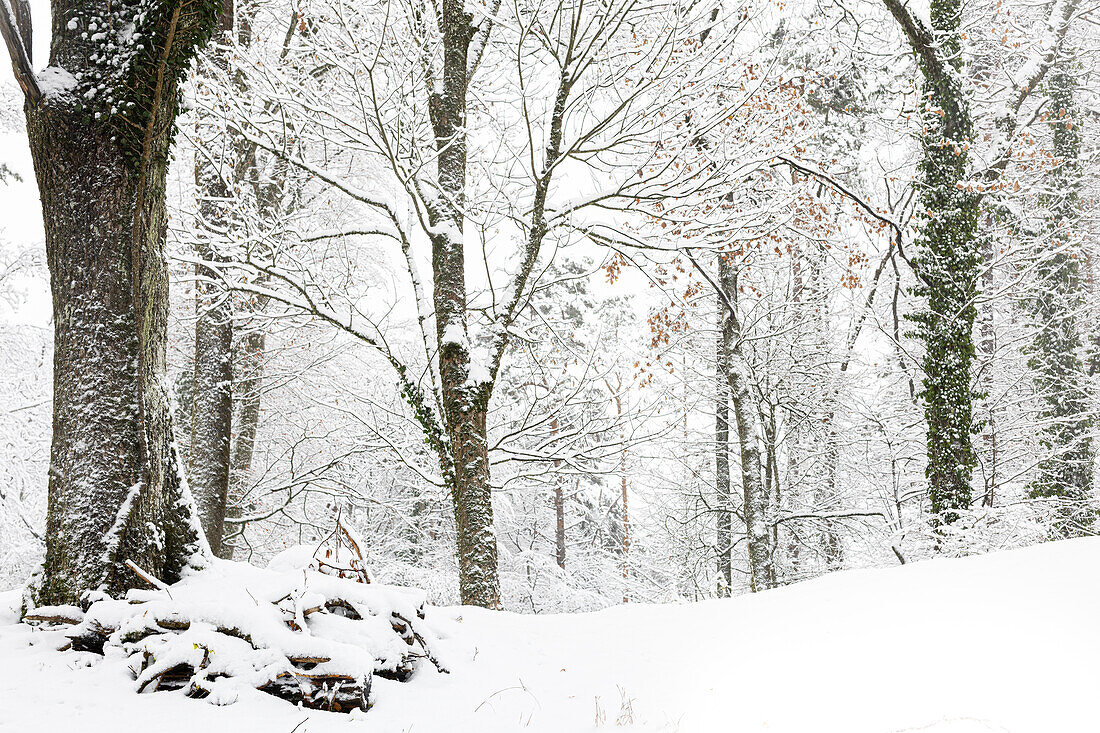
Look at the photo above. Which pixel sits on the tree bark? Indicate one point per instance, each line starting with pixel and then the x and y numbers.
pixel 212 397
pixel 625 497
pixel 559 524
pixel 949 259
pixel 113 474
pixel 724 497
pixel 247 387
pixel 115 488
pixel 472 498
pixel 750 435
pixel 212 407
pixel 559 507
pixel 826 498
pixel 465 403
pixel 987 352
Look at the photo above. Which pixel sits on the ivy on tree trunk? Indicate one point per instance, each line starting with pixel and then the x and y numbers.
pixel 1065 471
pixel 100 122
pixel 948 262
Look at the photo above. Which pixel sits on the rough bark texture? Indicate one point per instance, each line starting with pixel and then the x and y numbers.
pixel 104 468
pixel 115 490
pixel 16 31
pixel 471 494
pixel 465 403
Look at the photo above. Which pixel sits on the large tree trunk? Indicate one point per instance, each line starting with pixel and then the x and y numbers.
pixel 114 484
pixel 115 488
pixel 472 497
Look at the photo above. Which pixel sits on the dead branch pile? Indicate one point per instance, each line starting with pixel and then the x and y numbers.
pixel 308 637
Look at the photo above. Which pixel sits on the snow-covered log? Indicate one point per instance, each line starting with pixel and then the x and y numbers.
pixel 291 631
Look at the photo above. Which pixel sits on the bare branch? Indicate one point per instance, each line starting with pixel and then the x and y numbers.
pixel 15 27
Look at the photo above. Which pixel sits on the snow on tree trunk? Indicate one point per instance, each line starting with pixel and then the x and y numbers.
pixel 247 386
pixel 623 488
pixel 1065 470
pixel 559 505
pixel 212 399
pixel 826 497
pixel 750 434
pixel 212 408
pixel 465 401
pixel 471 494
pixel 949 260
pixel 99 139
pixel 724 501
pixel 559 523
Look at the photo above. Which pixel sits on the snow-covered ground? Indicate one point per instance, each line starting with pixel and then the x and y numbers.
pixel 1004 642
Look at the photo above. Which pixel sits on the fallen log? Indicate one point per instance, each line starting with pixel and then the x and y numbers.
pixel 335 693
pixel 214 634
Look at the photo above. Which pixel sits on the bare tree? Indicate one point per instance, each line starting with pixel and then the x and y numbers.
pixel 407 116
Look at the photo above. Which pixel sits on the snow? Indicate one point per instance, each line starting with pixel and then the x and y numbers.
pixel 240 596
pixel 454 333
pixel 921 10
pixel 55 81
pixel 446 228
pixel 479 369
pixel 1002 642
pixel 298 557
pixel 1049 37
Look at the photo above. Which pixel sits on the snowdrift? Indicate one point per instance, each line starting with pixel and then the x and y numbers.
pixel 1004 642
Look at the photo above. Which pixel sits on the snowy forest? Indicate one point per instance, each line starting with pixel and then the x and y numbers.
pixel 327 324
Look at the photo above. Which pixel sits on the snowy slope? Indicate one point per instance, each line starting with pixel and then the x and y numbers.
pixel 1004 642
